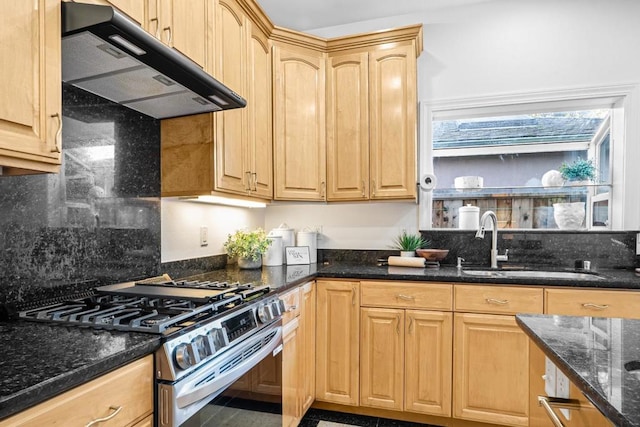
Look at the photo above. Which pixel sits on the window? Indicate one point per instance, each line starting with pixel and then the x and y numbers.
pixel 512 146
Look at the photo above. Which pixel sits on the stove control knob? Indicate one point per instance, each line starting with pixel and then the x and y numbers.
pixel 264 313
pixel 276 308
pixel 183 356
pixel 216 339
pixel 200 345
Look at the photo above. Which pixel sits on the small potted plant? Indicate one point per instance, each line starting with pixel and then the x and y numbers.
pixel 247 247
pixel 579 172
pixel 408 243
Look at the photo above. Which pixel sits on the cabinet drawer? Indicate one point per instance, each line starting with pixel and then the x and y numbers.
pixel 129 388
pixel 592 302
pixel 498 299
pixel 434 296
pixel 292 305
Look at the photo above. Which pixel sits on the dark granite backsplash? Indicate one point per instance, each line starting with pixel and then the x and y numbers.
pixel 98 220
pixel 552 249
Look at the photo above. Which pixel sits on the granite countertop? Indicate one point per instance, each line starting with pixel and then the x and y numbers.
pixel 601 356
pixel 41 361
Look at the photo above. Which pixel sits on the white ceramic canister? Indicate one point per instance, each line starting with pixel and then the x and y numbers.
pixel 288 237
pixel 274 254
pixel 309 238
pixel 468 217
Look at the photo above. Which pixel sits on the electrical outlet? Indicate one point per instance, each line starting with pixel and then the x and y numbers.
pixel 204 236
pixel 550 377
pixel 562 390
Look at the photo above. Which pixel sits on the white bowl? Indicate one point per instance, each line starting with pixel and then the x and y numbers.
pixel 468 182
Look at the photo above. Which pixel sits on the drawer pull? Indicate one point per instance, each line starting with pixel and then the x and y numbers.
pixel 291 308
pixel 405 297
pixel 410 325
pixel 595 306
pixel 549 402
pixel 116 411
pixel 497 301
pixel 398 325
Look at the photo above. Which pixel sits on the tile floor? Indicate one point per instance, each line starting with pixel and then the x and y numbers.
pixel 321 418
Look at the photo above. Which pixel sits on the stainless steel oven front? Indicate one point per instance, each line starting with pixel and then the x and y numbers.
pixel 227 373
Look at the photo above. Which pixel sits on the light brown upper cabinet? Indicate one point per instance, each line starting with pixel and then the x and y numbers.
pixel 228 152
pixel 371 123
pixel 299 123
pixel 181 24
pixel 30 88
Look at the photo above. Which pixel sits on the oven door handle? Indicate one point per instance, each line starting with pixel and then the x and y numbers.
pixel 199 387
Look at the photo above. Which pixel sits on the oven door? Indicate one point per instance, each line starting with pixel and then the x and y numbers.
pixel 242 387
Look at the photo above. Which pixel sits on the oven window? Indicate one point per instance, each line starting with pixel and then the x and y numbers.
pixel 255 399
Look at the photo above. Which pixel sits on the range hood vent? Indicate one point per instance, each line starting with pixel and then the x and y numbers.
pixel 105 53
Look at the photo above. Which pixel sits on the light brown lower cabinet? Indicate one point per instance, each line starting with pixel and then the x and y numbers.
pixel 405 360
pixel 291 369
pixel 491 370
pixel 337 342
pixel 127 390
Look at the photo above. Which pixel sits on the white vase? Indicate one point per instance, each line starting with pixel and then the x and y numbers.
pixel 569 216
pixel 408 253
pixel 249 263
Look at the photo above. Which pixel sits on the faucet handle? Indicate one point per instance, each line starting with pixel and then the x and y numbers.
pixel 504 257
pixel 460 259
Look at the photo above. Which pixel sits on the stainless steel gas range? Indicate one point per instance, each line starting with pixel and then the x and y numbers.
pixel 214 335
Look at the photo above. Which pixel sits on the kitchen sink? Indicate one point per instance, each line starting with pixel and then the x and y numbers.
pixel 533 274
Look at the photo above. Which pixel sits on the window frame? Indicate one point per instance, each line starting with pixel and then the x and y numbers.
pixel 622 98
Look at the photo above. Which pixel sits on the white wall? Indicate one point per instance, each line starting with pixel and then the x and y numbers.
pixel 488 49
pixel 181 222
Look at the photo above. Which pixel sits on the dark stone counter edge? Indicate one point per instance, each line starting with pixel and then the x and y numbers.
pixel 598 400
pixel 10 405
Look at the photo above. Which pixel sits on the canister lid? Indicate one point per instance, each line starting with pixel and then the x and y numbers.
pixel 469 208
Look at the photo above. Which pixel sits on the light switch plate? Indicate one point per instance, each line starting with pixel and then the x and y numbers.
pixel 562 390
pixel 204 236
pixel 638 244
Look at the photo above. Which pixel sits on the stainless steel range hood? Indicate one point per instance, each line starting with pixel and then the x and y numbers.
pixel 105 53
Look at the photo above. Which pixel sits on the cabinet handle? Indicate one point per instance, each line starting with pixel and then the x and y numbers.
pixel 410 325
pixel 323 186
pixel 373 188
pixel 595 306
pixel 170 34
pixel 549 402
pixel 353 296
pixel 398 325
pixel 497 301
pixel 254 179
pixel 116 411
pixel 363 194
pixel 57 142
pixel 247 186
pixel 291 308
pixel 405 297
pixel 157 26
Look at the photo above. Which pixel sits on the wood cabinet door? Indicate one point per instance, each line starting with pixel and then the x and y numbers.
pixel 291 371
pixel 428 362
pixel 348 127
pixel 382 358
pixel 299 124
pixel 30 88
pixel 337 342
pixel 491 370
pixel 182 24
pixel 260 115
pixel 231 172
pixel 308 347
pixel 393 125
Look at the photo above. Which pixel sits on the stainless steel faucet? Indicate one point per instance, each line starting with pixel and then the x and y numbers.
pixel 494 238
